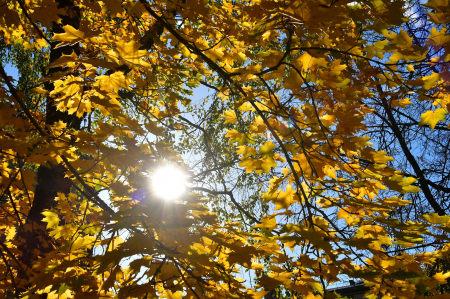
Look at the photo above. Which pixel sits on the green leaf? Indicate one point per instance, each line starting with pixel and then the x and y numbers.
pixel 60 287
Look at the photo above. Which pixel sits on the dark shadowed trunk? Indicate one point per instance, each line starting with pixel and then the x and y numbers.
pixel 50 178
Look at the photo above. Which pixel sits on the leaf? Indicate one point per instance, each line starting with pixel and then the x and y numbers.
pixel 169 295
pixel 283 199
pixel 185 51
pixel 115 7
pixel 246 150
pixel 70 37
pixel 258 295
pixel 266 150
pixel 438 39
pixel 46 12
pixel 436 219
pixel 60 288
pixel 430 80
pixel 51 218
pixel 63 60
pixel 380 157
pixel 431 118
pixel 152 127
pixel 267 223
pixel 235 136
pixel 293 92
pixel 272 281
pixel 402 103
pixel 128 53
pixel 441 278
pixel 230 116
pixel 114 82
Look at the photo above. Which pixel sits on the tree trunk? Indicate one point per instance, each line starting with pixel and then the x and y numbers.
pixel 35 241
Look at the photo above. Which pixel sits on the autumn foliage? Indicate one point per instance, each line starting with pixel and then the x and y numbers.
pixel 319 154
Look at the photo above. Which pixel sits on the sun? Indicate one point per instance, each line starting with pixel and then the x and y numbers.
pixel 168 182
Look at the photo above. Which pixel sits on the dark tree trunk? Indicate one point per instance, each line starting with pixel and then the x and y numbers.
pixel 51 180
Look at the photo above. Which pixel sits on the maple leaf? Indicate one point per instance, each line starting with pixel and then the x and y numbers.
pixel 60 288
pixel 402 103
pixel 51 218
pixel 431 118
pixel 230 116
pixel 436 219
pixel 268 223
pixel 128 53
pixel 152 127
pixel 114 82
pixel 282 199
pixel 47 11
pixel 438 39
pixel 70 37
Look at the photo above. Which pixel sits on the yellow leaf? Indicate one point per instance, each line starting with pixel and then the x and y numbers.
pixel 246 107
pixel 293 81
pixel 230 116
pixel 306 61
pixel 169 295
pixel 273 280
pixel 215 54
pixel 40 90
pixel 285 198
pixel 402 40
pixel 114 82
pixel 246 150
pixel 152 127
pixel 63 60
pixel 431 118
pixel 258 295
pixel 46 12
pixel 266 150
pixel 437 39
pixel 430 80
pixel 200 248
pixel 329 171
pixel 257 266
pixel 258 125
pixel 441 278
pixel 402 103
pixel 312 296
pixel 235 136
pixel 69 37
pixel 51 218
pixel 10 233
pixel 128 53
pixel 268 223
pixel 380 157
pixel 185 51
pixel 436 219
pixel 114 243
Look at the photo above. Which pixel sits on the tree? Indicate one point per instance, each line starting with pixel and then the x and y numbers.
pixel 312 101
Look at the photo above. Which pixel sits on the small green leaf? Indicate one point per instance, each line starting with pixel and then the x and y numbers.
pixel 60 287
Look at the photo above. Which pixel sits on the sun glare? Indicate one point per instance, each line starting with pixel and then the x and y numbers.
pixel 168 182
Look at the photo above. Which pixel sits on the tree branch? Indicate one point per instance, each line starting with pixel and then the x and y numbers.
pixel 419 173
pixel 19 101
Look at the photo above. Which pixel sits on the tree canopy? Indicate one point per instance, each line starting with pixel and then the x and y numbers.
pixel 321 151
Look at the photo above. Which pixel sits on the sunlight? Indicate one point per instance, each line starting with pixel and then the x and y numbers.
pixel 169 182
